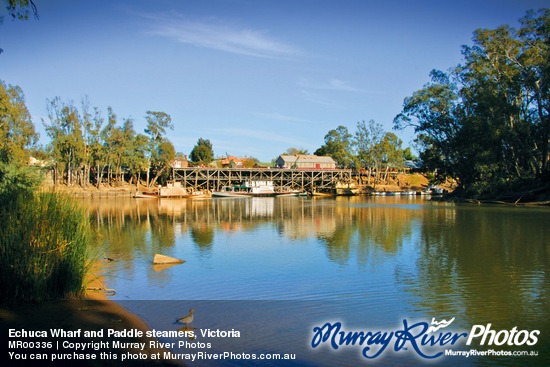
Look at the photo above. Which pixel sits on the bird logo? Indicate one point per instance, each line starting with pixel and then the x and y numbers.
pixel 439 325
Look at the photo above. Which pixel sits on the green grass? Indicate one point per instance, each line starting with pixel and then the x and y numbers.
pixel 46 245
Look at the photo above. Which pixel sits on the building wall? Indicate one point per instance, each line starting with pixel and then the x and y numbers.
pixel 305 162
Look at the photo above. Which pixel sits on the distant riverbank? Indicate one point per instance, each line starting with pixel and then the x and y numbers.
pixel 125 190
pixel 528 195
pixel 402 182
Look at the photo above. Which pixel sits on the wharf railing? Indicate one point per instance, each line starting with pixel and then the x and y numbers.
pixel 198 178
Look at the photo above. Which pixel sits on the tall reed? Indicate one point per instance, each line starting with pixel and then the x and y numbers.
pixel 46 246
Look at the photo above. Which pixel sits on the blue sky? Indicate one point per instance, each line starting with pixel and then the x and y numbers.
pixel 255 77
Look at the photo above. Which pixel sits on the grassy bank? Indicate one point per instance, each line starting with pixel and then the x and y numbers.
pixel 45 244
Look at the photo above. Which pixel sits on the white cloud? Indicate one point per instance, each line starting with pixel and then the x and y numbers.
pixel 308 95
pixel 260 135
pixel 281 117
pixel 331 85
pixel 215 34
pixel 335 85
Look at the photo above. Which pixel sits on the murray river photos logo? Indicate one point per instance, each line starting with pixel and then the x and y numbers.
pixel 428 341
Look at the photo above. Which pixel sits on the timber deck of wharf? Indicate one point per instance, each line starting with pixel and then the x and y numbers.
pixel 302 179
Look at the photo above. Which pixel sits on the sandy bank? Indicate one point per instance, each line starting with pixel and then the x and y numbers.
pixel 92 313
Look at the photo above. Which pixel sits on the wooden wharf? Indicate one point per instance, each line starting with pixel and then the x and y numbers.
pixel 200 179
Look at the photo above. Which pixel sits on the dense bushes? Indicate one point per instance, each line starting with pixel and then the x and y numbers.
pixel 45 241
pixel 486 123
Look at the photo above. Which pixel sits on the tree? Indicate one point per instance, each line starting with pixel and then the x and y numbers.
pixel 137 156
pixel 66 139
pixel 486 123
pixel 407 154
pixel 128 136
pixel 20 9
pixel 431 157
pixel 157 123
pixel 17 132
pixel 87 125
pixel 296 151
pixel 535 34
pixel 250 162
pixel 338 146
pixel 367 135
pixel 110 136
pixel 96 147
pixel 434 111
pixel 202 152
pixel 390 151
pixel 162 159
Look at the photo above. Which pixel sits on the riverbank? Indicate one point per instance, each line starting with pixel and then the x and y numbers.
pixel 90 191
pixel 406 182
pixel 528 195
pixel 402 182
pixel 94 312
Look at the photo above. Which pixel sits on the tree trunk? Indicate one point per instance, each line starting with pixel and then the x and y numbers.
pixel 69 170
pixel 157 176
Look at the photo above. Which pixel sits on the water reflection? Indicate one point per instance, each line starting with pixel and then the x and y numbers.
pixel 404 255
pixel 485 259
pixel 347 229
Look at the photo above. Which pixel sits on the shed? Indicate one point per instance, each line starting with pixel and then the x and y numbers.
pixel 413 165
pixel 304 161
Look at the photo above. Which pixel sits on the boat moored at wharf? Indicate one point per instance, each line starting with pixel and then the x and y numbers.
pixel 255 189
pixel 247 189
pixel 172 190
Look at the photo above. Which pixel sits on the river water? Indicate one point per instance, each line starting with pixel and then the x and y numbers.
pixel 276 268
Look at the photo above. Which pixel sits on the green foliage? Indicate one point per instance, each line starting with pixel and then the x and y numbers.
pixel 17 132
pixel 162 161
pixel 390 151
pixel 320 152
pixel 65 131
pixel 202 152
pixel 137 154
pixel 371 148
pixel 486 123
pixel 407 154
pixel 82 143
pixel 157 123
pixel 45 243
pixel 95 146
pixel 250 162
pixel 40 152
pixel 367 144
pixel 20 9
pixel 338 146
pixel 17 181
pixel 296 151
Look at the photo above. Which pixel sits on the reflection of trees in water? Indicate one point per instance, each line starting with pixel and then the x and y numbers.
pixel 203 237
pixel 127 225
pixel 483 264
pixel 367 233
pixel 347 231
pixel 127 228
pixel 479 264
